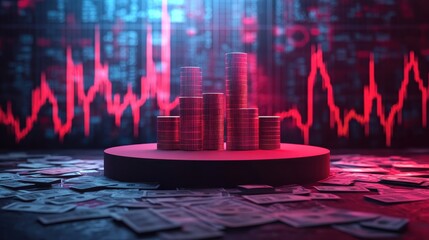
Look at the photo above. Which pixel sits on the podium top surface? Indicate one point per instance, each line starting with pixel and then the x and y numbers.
pixel 149 151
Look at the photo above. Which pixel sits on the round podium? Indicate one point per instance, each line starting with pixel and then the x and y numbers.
pixel 292 163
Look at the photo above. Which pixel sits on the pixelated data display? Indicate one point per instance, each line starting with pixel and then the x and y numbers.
pixel 339 73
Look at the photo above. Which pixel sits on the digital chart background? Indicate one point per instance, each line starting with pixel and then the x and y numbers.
pixel 340 73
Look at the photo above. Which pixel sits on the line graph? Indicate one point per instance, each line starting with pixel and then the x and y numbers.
pixel 370 95
pixel 153 85
pixel 156 85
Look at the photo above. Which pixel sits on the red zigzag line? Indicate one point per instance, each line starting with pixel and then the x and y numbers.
pixel 153 85
pixel 371 96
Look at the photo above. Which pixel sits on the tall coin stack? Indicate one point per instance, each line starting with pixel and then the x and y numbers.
pixel 168 132
pixel 191 109
pixel 242 129
pixel 214 116
pixel 269 132
pixel 238 117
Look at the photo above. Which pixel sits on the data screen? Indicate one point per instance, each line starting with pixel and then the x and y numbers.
pixel 93 74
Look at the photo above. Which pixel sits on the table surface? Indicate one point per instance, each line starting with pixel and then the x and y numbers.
pixel 20 225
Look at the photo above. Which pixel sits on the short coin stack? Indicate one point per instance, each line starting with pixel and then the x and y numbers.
pixel 269 132
pixel 242 129
pixel 191 84
pixel 168 132
pixel 191 123
pixel 214 116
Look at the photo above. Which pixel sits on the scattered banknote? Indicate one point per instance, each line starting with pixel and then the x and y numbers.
pixel 137 204
pixel 61 200
pixel 16 184
pixel 324 196
pixel 6 193
pixel 22 171
pixel 355 163
pixel 386 223
pixel 413 174
pixel 96 203
pixel 128 193
pixel 398 197
pixel 42 194
pixel 192 226
pixel 362 177
pixel 365 170
pixel 357 230
pixel 275 198
pixel 58 171
pixel 126 185
pixel 323 216
pixel 192 231
pixel 146 221
pixel 40 180
pixel 175 199
pixel 408 181
pixel 411 165
pixel 301 191
pixel 178 193
pixel 231 207
pixel 372 186
pixel 341 189
pixel 337 181
pixel 90 186
pixel 38 208
pixel 59 184
pixel 82 179
pixel 7 176
pixel 74 216
pixel 245 220
pixel 34 165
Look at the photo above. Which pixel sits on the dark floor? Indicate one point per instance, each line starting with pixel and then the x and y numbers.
pixel 24 225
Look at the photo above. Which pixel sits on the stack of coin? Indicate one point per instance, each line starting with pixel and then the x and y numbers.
pixel 242 129
pixel 236 80
pixel 168 132
pixel 214 115
pixel 269 132
pixel 191 84
pixel 237 115
pixel 191 123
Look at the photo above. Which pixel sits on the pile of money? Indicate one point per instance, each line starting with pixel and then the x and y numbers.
pixel 66 189
pixel 202 115
pixel 191 123
pixel 214 117
pixel 168 132
pixel 269 132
